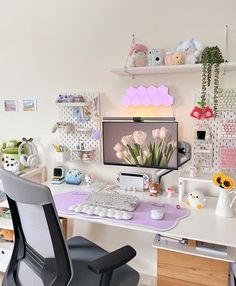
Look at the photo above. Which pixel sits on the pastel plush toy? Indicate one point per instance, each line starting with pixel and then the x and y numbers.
pixel 138 55
pixel 154 189
pixel 192 50
pixel 176 58
pixel 10 156
pixel 65 98
pixel 196 199
pixel 12 165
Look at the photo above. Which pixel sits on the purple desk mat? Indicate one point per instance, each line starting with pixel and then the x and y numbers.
pixel 141 215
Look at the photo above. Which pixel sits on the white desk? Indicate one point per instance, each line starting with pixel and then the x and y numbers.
pixel 201 225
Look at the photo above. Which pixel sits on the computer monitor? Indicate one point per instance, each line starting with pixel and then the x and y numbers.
pixel 145 144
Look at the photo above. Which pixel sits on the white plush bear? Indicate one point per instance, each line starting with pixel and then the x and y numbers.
pixel 192 50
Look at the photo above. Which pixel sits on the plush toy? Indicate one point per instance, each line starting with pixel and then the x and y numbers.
pixel 7 234
pixel 176 58
pixel 10 156
pixel 73 177
pixel 12 165
pixel 67 127
pixel 196 199
pixel 138 55
pixel 192 50
pixel 65 98
pixel 154 189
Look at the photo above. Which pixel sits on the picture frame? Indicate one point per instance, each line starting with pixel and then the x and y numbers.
pixel 10 105
pixel 29 104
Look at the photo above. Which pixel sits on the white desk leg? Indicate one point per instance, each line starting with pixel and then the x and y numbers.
pixel 181 189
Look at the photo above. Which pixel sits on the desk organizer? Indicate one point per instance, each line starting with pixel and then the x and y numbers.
pixel 221 155
pixel 85 119
pixel 141 215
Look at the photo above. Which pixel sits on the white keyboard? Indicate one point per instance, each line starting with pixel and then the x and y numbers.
pixel 101 211
pixel 114 200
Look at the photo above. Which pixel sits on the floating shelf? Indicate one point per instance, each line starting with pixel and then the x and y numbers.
pixel 125 71
pixel 73 104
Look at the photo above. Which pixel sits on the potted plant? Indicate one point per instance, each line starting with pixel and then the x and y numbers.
pixel 211 57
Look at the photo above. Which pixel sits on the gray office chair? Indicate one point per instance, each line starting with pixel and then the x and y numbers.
pixel 42 257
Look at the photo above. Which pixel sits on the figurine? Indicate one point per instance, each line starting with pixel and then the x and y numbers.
pixel 192 171
pixel 88 179
pixel 154 189
pixel 170 192
pixel 196 199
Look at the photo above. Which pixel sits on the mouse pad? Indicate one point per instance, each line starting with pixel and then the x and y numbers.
pixel 141 215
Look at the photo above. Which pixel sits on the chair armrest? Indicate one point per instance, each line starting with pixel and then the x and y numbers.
pixel 112 260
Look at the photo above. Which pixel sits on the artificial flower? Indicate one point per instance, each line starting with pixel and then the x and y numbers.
pixel 223 181
pixel 217 179
pixel 227 183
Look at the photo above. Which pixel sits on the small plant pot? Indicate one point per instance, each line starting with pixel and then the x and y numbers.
pixel 201 135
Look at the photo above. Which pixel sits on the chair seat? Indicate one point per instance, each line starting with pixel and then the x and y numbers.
pixel 82 251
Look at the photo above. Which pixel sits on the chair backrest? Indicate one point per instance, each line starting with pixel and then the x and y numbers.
pixel 40 255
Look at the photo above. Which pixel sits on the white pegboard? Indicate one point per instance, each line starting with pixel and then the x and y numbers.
pixel 82 130
pixel 223 135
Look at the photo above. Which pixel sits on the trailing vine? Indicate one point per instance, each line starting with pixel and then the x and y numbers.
pixel 211 56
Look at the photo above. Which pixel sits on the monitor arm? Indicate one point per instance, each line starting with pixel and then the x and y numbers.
pixel 184 153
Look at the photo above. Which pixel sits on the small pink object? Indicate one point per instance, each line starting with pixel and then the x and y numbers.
pixel 89 179
pixel 196 112
pixel 208 112
pixel 170 191
pixel 137 47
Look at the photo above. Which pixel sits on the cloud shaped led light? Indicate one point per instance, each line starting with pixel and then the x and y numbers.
pixel 147 96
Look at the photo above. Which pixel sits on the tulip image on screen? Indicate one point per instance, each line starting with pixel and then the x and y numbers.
pixel 146 144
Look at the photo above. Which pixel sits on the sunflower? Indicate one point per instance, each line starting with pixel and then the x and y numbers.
pixel 227 183
pixel 217 179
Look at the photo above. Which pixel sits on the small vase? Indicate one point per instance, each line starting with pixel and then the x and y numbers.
pixel 223 207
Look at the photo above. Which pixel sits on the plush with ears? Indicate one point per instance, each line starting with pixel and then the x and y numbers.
pixel 138 55
pixel 192 50
pixel 177 58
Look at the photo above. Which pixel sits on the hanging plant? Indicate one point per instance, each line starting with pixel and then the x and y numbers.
pixel 211 56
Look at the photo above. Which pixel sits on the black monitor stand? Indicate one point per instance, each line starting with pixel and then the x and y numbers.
pixel 184 152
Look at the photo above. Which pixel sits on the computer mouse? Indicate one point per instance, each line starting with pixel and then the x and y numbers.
pixel 157 214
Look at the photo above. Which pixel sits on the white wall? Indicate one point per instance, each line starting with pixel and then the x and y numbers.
pixel 47 47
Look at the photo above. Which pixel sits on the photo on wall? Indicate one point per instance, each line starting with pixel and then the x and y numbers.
pixel 29 104
pixel 10 105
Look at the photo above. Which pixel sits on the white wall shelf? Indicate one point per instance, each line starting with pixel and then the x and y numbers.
pixel 73 104
pixel 126 71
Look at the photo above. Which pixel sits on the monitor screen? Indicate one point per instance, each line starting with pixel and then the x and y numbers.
pixel 145 144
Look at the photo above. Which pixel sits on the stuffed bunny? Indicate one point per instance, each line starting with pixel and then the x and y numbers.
pixel 192 50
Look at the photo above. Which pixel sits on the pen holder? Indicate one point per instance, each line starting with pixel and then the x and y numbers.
pixel 62 156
